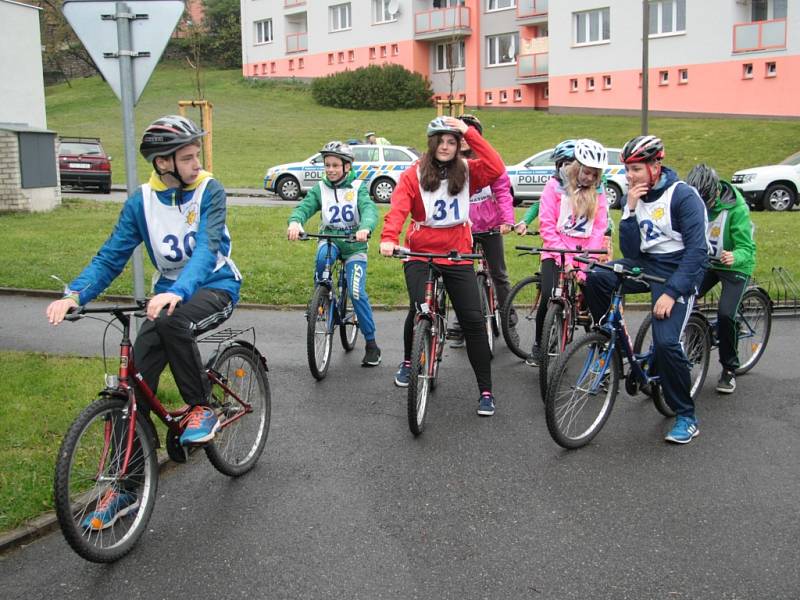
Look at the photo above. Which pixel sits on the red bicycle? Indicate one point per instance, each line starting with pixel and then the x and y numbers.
pixel 108 455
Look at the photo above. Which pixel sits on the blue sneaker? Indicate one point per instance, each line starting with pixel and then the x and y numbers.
pixel 403 375
pixel 684 430
pixel 486 406
pixel 113 505
pixel 201 425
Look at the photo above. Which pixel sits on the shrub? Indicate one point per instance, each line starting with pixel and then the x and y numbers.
pixel 386 87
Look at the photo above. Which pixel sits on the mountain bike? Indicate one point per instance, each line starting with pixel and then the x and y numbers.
pixel 489 307
pixel 428 340
pixel 328 308
pixel 524 298
pixel 109 451
pixel 586 376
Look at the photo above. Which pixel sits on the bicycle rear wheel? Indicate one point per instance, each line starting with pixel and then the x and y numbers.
pixel 240 441
pixel 319 336
pixel 348 328
pixel 554 340
pixel 486 310
pixel 697 346
pixel 644 340
pixel 755 325
pixel 423 367
pixel 582 392
pixel 102 513
pixel 525 295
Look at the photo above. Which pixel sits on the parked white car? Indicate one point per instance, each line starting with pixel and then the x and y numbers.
pixel 529 177
pixel 378 166
pixel 774 187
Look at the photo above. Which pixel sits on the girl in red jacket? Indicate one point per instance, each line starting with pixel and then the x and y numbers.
pixel 436 191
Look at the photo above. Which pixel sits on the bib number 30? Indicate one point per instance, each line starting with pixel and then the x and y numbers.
pixel 179 248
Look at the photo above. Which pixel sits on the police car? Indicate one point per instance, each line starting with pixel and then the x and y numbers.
pixel 378 166
pixel 529 177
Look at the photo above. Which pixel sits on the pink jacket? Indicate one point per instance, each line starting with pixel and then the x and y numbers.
pixel 549 210
pixel 488 212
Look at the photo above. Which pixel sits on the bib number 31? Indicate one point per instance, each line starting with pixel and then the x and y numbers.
pixel 442 211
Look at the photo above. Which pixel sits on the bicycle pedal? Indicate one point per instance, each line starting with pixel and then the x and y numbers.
pixel 175 450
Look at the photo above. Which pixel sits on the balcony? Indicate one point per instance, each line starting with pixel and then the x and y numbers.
pixel 294 6
pixel 442 23
pixel 533 67
pixel 297 42
pixel 532 12
pixel 759 35
pixel 293 3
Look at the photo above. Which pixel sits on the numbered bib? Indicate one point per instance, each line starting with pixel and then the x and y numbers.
pixel 715 234
pixel 481 196
pixel 569 224
pixel 444 210
pixel 656 234
pixel 340 206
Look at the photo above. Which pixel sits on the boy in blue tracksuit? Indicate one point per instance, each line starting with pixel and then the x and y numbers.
pixel 662 231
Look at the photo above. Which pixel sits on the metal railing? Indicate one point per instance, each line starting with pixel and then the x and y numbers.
pixel 441 19
pixel 533 65
pixel 297 42
pixel 530 8
pixel 759 35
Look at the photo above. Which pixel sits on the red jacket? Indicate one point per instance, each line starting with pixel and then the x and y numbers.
pixel 407 199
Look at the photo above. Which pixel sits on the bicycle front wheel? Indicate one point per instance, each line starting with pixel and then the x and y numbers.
pixel 697 347
pixel 243 434
pixel 524 299
pixel 554 340
pixel 642 344
pixel 423 366
pixel 582 392
pixel 319 337
pixel 348 329
pixel 486 310
pixel 103 512
pixel 755 325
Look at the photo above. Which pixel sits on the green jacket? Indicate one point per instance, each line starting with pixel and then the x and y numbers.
pixel 737 234
pixel 367 213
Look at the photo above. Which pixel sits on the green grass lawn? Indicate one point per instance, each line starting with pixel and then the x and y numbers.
pixel 260 124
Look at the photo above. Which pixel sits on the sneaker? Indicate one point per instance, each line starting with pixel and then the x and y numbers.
pixel 533 357
pixel 201 425
pixel 403 375
pixel 113 505
pixel 372 357
pixel 486 406
pixel 726 383
pixel 684 430
pixel 458 341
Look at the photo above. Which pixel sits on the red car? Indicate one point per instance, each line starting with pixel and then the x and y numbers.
pixel 82 162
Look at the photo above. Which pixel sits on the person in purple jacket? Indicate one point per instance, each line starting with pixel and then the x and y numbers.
pixel 491 212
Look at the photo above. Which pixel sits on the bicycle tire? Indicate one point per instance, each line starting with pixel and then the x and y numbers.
pixel 422 366
pixel 696 343
pixel 553 343
pixel 652 391
pixel 319 335
pixel 91 450
pixel 494 309
pixel 572 420
pixel 440 341
pixel 483 291
pixel 525 294
pixel 348 328
pixel 754 330
pixel 237 447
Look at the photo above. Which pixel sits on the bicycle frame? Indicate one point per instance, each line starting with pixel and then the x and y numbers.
pixel 329 272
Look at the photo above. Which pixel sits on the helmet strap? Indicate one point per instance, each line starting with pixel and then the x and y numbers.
pixel 654 171
pixel 173 173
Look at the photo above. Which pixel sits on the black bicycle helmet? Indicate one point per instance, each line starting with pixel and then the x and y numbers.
pixel 166 135
pixel 340 149
pixel 472 121
pixel 706 181
pixel 643 148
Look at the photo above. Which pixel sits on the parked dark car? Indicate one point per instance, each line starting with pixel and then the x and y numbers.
pixel 82 162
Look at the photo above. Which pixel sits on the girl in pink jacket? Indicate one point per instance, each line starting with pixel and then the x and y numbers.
pixel 572 216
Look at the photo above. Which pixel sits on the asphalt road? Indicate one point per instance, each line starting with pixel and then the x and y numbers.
pixel 346 503
pixel 236 196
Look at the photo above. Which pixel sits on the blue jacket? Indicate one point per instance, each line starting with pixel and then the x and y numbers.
pixel 131 230
pixel 683 269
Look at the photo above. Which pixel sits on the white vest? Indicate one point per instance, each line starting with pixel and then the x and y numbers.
pixel 655 225
pixel 172 230
pixel 481 195
pixel 568 224
pixel 444 210
pixel 340 207
pixel 715 233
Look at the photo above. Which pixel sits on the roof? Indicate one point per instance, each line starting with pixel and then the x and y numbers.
pixel 22 4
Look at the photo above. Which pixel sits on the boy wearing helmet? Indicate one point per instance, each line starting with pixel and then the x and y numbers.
pixel 179 214
pixel 732 252
pixel 346 208
pixel 663 232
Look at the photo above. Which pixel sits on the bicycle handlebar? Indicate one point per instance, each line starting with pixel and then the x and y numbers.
pixel 578 250
pixel 77 313
pixel 400 252
pixel 620 270
pixel 348 237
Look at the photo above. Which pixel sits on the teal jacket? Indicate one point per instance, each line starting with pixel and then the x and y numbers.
pixel 367 212
pixel 737 236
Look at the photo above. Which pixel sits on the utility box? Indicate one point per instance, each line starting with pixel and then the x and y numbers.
pixel 28 169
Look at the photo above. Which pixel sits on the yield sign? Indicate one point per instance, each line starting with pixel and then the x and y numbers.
pixel 152 22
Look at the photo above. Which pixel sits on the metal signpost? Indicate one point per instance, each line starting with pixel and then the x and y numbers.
pixel 142 30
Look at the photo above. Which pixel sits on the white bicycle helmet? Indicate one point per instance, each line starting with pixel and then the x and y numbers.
pixel 591 154
pixel 439 125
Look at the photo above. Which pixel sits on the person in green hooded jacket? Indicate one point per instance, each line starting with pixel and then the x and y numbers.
pixel 346 207
pixel 733 257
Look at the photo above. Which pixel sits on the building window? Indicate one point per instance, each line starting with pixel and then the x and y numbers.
pixel 330 58
pixel 667 16
pixel 372 53
pixel 383 51
pixel 771 69
pixel 291 64
pixel 546 92
pixel 395 50
pixel 300 63
pixel 340 57
pixel 450 56
pixel 606 82
pixel 765 10
pixel 351 55
pixel 573 85
pixel 488 97
pixel 663 78
pixel 517 95
pixel 339 17
pixel 747 71
pixel 592 26
pixel 500 4
pixel 263 31
pixel 503 96
pixel 683 76
pixel 590 84
pixel 502 49
pixel 272 67
pixel 380 12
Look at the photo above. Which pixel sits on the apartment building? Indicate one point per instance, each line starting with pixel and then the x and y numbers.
pixel 732 57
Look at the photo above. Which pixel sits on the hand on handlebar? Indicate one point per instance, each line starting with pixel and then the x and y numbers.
pixel 506 228
pixel 362 235
pixel 58 309
pixel 160 301
pixel 294 231
pixel 387 248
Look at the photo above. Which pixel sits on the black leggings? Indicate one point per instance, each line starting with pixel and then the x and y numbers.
pixel 462 289
pixel 733 287
pixel 549 274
